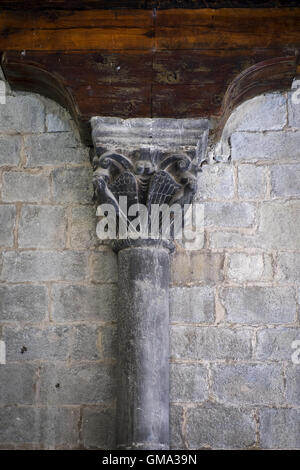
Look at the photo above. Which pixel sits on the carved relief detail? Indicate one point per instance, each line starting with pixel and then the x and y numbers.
pixel 144 178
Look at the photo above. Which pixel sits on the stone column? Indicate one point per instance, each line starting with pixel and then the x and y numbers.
pixel 143 337
pixel 150 161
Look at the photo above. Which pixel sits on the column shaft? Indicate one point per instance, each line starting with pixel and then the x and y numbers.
pixel 143 337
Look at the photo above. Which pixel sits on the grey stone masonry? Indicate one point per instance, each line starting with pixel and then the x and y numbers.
pixel 90 383
pixel 23 302
pixel 192 304
pixel 249 384
pixel 217 427
pixel 234 299
pixel 7 224
pixel 42 227
pixel 259 305
pixel 10 148
pixel 44 266
pixel 39 427
pixel 204 343
pixel 41 149
pixel 259 146
pixel 188 383
pixel 280 428
pixel 25 187
pixel 89 303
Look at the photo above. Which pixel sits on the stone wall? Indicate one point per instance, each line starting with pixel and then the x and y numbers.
pixel 234 302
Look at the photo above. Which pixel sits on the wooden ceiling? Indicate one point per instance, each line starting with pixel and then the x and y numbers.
pixel 149 62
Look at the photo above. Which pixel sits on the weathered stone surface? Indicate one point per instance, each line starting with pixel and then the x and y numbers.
pixel 285 180
pixel 251 182
pixel 25 187
pixel 275 344
pixel 280 429
pixel 280 225
pixel 83 228
pixel 196 266
pixel 104 267
pixel 10 147
pixel 261 113
pixel 293 383
pixel 23 112
pixel 164 133
pixel 244 267
pixel 192 304
pixel 288 266
pixel 219 427
pixel 87 344
pixel 215 182
pixel 57 118
pixel 94 342
pixel 42 227
pixel 17 384
pixel 43 266
pixel 293 108
pixel 76 384
pixel 257 146
pixel 109 342
pixel 17 425
pixel 7 223
pixel 55 148
pixel 55 122
pixel 229 214
pixel 23 303
pixel 98 428
pixel 32 343
pixel 88 303
pixel 235 240
pixel 249 384
pixel 72 185
pixel 259 305
pixel 176 420
pixel 208 343
pixel 46 428
pixel 188 382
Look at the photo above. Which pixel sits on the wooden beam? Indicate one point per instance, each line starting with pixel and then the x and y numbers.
pixel 141 63
pixel 143 4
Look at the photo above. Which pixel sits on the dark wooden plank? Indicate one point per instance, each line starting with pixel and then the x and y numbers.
pixel 119 101
pixel 230 19
pixel 207 66
pixel 92 68
pixel 144 4
pixel 77 39
pixel 227 29
pixel 50 19
pixel 180 101
pixel 142 30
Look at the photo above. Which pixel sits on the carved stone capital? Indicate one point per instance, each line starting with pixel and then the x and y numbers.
pixel 150 161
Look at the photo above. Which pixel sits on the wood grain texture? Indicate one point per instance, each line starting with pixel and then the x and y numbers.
pixel 144 30
pixel 169 63
pixel 143 4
